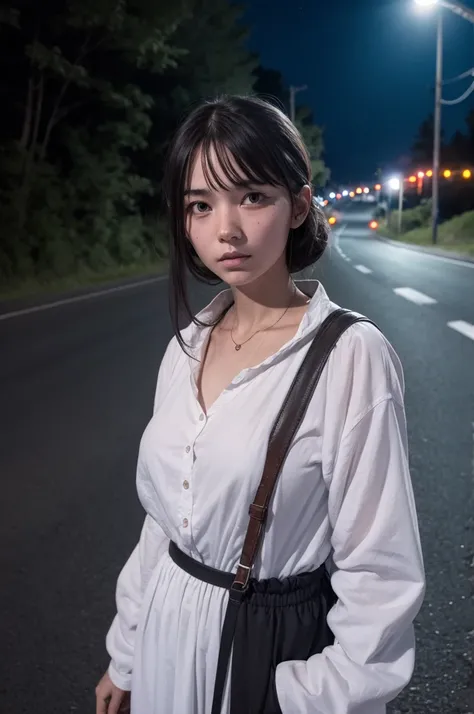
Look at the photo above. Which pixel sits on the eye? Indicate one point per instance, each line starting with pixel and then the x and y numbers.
pixel 198 207
pixel 254 198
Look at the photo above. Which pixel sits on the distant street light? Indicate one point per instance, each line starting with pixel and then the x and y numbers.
pixel 468 14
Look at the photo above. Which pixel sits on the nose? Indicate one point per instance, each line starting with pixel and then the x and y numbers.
pixel 229 228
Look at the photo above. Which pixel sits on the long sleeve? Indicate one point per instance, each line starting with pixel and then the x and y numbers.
pixel 378 577
pixel 131 585
pixel 138 569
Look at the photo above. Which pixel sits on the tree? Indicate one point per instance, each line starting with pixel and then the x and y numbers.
pixel 75 63
pixel 93 91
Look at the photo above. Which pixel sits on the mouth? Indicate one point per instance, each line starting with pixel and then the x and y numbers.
pixel 233 259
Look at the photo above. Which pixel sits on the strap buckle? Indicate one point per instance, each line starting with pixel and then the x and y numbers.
pixel 246 579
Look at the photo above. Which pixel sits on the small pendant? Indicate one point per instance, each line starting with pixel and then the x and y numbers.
pixel 237 347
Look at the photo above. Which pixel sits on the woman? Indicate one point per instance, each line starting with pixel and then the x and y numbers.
pixel 238 187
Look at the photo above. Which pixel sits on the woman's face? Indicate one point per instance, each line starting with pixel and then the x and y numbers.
pixel 239 232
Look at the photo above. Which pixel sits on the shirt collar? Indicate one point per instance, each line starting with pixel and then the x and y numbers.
pixel 195 335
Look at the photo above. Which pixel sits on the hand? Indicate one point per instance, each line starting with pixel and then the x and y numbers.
pixel 110 699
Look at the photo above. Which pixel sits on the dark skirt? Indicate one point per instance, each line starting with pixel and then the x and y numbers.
pixel 276 621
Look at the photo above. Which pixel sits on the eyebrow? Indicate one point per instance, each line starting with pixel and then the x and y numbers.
pixel 207 192
pixel 197 192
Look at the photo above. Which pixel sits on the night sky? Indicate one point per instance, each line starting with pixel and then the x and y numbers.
pixel 370 68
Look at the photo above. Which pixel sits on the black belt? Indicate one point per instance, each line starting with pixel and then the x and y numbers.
pixel 200 571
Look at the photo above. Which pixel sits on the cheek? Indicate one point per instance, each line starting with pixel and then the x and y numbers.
pixel 271 227
pixel 197 232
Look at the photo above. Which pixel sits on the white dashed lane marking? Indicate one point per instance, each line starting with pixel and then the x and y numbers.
pixel 465 328
pixel 362 269
pixel 414 296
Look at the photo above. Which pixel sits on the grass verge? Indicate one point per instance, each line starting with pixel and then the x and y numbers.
pixel 456 235
pixel 39 287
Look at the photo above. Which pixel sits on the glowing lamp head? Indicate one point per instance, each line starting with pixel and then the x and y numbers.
pixel 447 173
pixel 332 220
pixel 467 173
pixel 373 225
pixel 394 184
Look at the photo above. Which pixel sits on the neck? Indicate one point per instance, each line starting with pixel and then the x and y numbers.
pixel 263 299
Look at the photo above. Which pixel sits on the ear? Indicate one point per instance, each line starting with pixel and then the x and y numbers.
pixel 301 206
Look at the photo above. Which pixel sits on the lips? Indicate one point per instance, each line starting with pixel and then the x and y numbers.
pixel 233 256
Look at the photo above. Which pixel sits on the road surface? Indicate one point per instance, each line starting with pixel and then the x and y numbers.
pixel 76 386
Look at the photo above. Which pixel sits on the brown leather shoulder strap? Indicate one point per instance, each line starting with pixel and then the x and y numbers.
pixel 286 425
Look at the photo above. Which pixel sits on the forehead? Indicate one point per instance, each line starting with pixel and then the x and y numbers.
pixel 215 168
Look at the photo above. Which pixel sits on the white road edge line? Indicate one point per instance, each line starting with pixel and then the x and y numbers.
pixel 337 235
pixel 362 269
pixel 465 328
pixel 446 259
pixel 80 298
pixel 414 296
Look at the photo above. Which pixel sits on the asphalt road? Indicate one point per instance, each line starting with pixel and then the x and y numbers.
pixel 76 390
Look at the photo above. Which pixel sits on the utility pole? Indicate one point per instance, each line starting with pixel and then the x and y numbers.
pixel 293 92
pixel 437 128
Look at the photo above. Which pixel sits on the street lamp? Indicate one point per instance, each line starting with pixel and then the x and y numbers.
pixel 467 14
pixel 456 7
pixel 397 184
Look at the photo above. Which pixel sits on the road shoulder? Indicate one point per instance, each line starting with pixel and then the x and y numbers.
pixel 440 252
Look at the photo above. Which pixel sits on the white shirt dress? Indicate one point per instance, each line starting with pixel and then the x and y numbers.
pixel 344 497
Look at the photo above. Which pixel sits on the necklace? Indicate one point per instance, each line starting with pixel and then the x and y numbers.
pixel 238 345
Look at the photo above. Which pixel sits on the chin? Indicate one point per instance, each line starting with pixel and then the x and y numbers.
pixel 237 278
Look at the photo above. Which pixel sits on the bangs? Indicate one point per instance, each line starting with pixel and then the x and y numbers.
pixel 226 164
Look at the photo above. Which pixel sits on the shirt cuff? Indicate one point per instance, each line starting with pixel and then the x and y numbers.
pixel 122 681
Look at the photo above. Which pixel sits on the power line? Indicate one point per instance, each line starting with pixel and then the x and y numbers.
pixel 462 98
pixel 464 75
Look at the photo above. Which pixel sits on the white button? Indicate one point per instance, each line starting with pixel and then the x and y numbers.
pixel 186 485
pixel 185 522
pixel 188 449
pixel 201 417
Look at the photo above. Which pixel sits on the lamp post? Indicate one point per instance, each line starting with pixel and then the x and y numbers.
pixel 467 14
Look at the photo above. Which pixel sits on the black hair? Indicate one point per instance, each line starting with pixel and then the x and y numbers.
pixel 267 148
